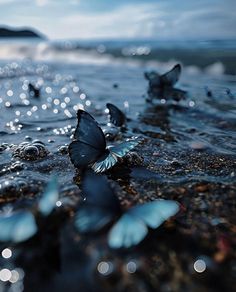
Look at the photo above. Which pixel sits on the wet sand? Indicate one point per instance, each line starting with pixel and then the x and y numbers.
pixel 188 155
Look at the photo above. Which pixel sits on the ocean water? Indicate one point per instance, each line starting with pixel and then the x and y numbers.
pixel 188 149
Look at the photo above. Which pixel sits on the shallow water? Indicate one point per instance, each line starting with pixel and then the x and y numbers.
pixel 189 155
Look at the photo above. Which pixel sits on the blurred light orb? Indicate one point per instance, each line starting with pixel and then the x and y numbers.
pixel 10 93
pixel 88 102
pixel 58 203
pixel 199 266
pixel 63 105
pixel 6 253
pixel 82 96
pixel 56 101
pixel 7 104
pixel 75 89
pixel 48 89
pixel 67 99
pixel 5 275
pixel 105 268
pixel 163 101
pixel 131 267
pixel 192 103
pixel 126 104
pixel 14 276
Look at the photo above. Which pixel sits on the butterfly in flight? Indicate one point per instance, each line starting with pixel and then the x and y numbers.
pixel 20 225
pixel 102 207
pixel 117 117
pixel 89 146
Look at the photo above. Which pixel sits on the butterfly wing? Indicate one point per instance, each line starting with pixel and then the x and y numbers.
pixel 49 198
pixel 88 131
pixel 104 163
pixel 89 141
pixel 131 228
pixel 117 117
pixel 153 214
pixel 153 78
pixel 128 231
pixel 17 226
pixel 122 149
pixel 82 154
pixel 109 159
pixel 170 78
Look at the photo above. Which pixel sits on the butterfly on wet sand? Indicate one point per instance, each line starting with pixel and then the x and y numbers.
pixel 169 79
pixel 20 225
pixel 162 86
pixel 33 91
pixel 102 207
pixel 89 146
pixel 117 117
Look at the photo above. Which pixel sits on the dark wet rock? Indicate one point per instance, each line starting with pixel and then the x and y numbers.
pixel 3 147
pixel 28 138
pixel 133 158
pixel 63 149
pixel 12 188
pixel 33 151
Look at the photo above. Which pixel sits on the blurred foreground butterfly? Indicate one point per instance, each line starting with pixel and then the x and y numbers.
pixel 101 207
pixel 18 226
pixel 89 146
pixel 117 117
pixel 168 79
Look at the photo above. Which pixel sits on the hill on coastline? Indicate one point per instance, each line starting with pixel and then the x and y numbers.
pixel 6 32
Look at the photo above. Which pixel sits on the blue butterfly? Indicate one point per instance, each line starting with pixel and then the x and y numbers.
pixel 117 117
pixel 89 146
pixel 162 86
pixel 18 226
pixel 101 207
pixel 168 79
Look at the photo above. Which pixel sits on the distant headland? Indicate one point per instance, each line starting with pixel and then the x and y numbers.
pixel 7 32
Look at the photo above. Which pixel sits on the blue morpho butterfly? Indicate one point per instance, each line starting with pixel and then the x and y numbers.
pixel 89 146
pixel 101 207
pixel 117 117
pixel 18 226
pixel 168 79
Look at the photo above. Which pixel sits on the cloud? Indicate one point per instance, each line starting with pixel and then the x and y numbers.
pixel 4 2
pixel 186 19
pixel 128 21
pixel 42 2
pixel 159 20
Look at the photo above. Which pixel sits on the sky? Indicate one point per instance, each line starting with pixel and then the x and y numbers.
pixel 129 19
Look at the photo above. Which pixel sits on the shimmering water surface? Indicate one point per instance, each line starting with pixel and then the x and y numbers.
pixel 188 155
